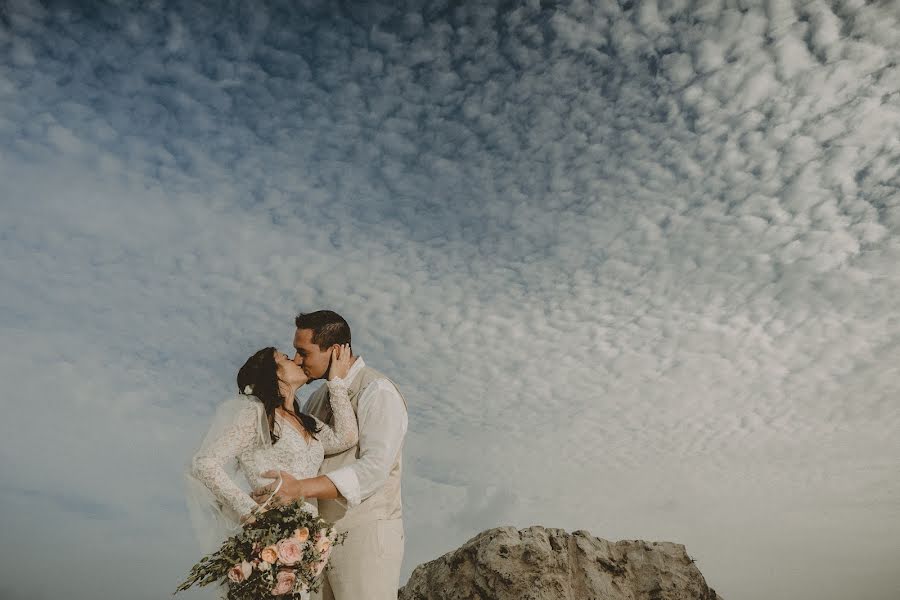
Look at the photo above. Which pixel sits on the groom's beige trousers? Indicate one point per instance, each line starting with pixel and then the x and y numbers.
pixel 367 565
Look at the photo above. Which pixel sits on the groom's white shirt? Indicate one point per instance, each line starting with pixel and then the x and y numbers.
pixel 382 418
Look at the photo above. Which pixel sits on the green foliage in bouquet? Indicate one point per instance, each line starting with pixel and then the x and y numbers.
pixel 282 552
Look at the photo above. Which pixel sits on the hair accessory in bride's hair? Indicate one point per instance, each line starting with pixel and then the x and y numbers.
pixel 248 390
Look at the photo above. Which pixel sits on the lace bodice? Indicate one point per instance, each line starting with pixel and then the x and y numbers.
pixel 294 453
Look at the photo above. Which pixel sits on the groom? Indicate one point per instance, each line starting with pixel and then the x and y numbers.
pixel 358 489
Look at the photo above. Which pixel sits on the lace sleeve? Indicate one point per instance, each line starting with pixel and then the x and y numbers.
pixel 209 464
pixel 345 432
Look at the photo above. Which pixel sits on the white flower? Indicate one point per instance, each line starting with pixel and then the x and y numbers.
pixel 246 568
pixel 248 389
pixel 263 566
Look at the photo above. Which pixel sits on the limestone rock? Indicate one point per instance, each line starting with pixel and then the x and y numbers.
pixel 544 564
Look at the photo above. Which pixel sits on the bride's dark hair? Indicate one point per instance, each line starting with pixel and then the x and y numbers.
pixel 260 373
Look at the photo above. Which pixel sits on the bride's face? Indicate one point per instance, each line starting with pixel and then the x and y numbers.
pixel 287 372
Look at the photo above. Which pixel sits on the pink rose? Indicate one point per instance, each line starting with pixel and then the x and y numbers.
pixel 319 567
pixel 284 583
pixel 302 534
pixel 236 574
pixel 269 554
pixel 323 543
pixel 323 560
pixel 240 572
pixel 289 551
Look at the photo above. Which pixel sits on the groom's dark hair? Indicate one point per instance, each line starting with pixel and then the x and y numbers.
pixel 328 327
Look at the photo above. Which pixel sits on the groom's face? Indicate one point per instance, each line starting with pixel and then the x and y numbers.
pixel 313 360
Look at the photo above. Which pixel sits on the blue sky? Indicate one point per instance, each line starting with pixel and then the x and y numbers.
pixel 634 266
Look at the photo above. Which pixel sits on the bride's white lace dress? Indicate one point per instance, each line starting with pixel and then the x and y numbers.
pixel 294 452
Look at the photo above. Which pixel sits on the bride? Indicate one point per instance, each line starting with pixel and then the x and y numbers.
pixel 263 430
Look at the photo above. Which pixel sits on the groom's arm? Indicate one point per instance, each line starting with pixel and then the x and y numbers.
pixel 383 422
pixel 318 487
pixel 294 489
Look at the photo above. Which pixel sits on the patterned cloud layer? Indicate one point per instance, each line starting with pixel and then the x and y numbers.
pixel 634 265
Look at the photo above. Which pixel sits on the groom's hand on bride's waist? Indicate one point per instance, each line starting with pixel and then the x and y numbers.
pixel 294 489
pixel 289 490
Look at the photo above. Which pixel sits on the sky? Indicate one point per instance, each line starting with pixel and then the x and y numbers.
pixel 633 265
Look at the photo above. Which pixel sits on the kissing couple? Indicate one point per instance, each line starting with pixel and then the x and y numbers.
pixel 341 455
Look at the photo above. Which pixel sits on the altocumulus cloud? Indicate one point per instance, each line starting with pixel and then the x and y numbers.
pixel 634 264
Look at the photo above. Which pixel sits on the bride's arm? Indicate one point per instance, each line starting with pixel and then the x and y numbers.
pixel 209 464
pixel 345 432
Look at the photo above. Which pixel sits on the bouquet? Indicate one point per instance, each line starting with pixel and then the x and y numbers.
pixel 281 552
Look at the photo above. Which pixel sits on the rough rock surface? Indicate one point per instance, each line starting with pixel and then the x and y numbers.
pixel 543 564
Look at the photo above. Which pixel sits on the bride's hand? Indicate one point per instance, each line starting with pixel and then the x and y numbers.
pixel 341 359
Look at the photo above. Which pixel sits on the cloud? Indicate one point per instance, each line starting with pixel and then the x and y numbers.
pixel 634 266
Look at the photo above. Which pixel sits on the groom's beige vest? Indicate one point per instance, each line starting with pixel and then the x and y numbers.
pixel 383 504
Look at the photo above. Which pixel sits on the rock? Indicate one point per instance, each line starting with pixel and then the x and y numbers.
pixel 544 564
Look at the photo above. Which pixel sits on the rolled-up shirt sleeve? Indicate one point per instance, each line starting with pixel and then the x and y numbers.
pixel 383 421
